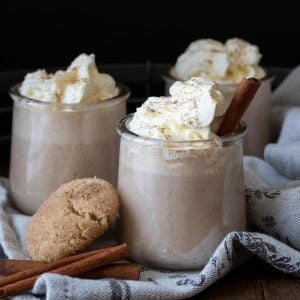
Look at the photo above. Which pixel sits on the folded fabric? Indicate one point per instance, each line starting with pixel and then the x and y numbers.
pixel 285 154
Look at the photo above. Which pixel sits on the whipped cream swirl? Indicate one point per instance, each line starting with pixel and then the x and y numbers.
pixel 222 63
pixel 80 83
pixel 186 115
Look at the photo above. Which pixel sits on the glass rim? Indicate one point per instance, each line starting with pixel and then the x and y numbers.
pixel 167 76
pixel 226 140
pixel 15 94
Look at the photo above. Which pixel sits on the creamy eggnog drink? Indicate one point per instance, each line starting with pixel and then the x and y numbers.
pixel 227 64
pixel 63 129
pixel 181 186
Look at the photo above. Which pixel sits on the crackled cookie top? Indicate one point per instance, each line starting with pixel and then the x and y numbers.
pixel 72 217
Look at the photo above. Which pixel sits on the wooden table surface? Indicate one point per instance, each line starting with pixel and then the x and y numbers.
pixel 254 280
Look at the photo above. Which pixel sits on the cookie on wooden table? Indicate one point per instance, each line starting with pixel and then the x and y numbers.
pixel 72 217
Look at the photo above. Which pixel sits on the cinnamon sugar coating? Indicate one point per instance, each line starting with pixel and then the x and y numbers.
pixel 75 215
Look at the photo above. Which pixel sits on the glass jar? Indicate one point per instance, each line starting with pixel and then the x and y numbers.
pixel 53 143
pixel 179 198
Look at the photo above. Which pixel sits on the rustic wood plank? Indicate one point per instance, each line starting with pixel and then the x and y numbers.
pixel 281 287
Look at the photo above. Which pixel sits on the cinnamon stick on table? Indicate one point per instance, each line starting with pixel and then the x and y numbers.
pixel 117 270
pixel 12 266
pixel 240 102
pixel 10 285
pixel 45 268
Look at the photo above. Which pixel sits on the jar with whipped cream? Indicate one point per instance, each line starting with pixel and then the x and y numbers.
pixel 226 64
pixel 180 185
pixel 63 129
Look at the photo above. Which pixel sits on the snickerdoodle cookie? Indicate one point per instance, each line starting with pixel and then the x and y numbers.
pixel 72 217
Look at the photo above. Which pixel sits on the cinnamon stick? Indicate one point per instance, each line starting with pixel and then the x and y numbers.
pixel 86 264
pixel 118 271
pixel 240 102
pixel 45 268
pixel 12 266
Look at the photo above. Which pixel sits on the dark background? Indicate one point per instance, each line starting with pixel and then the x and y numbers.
pixel 134 41
pixel 52 33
